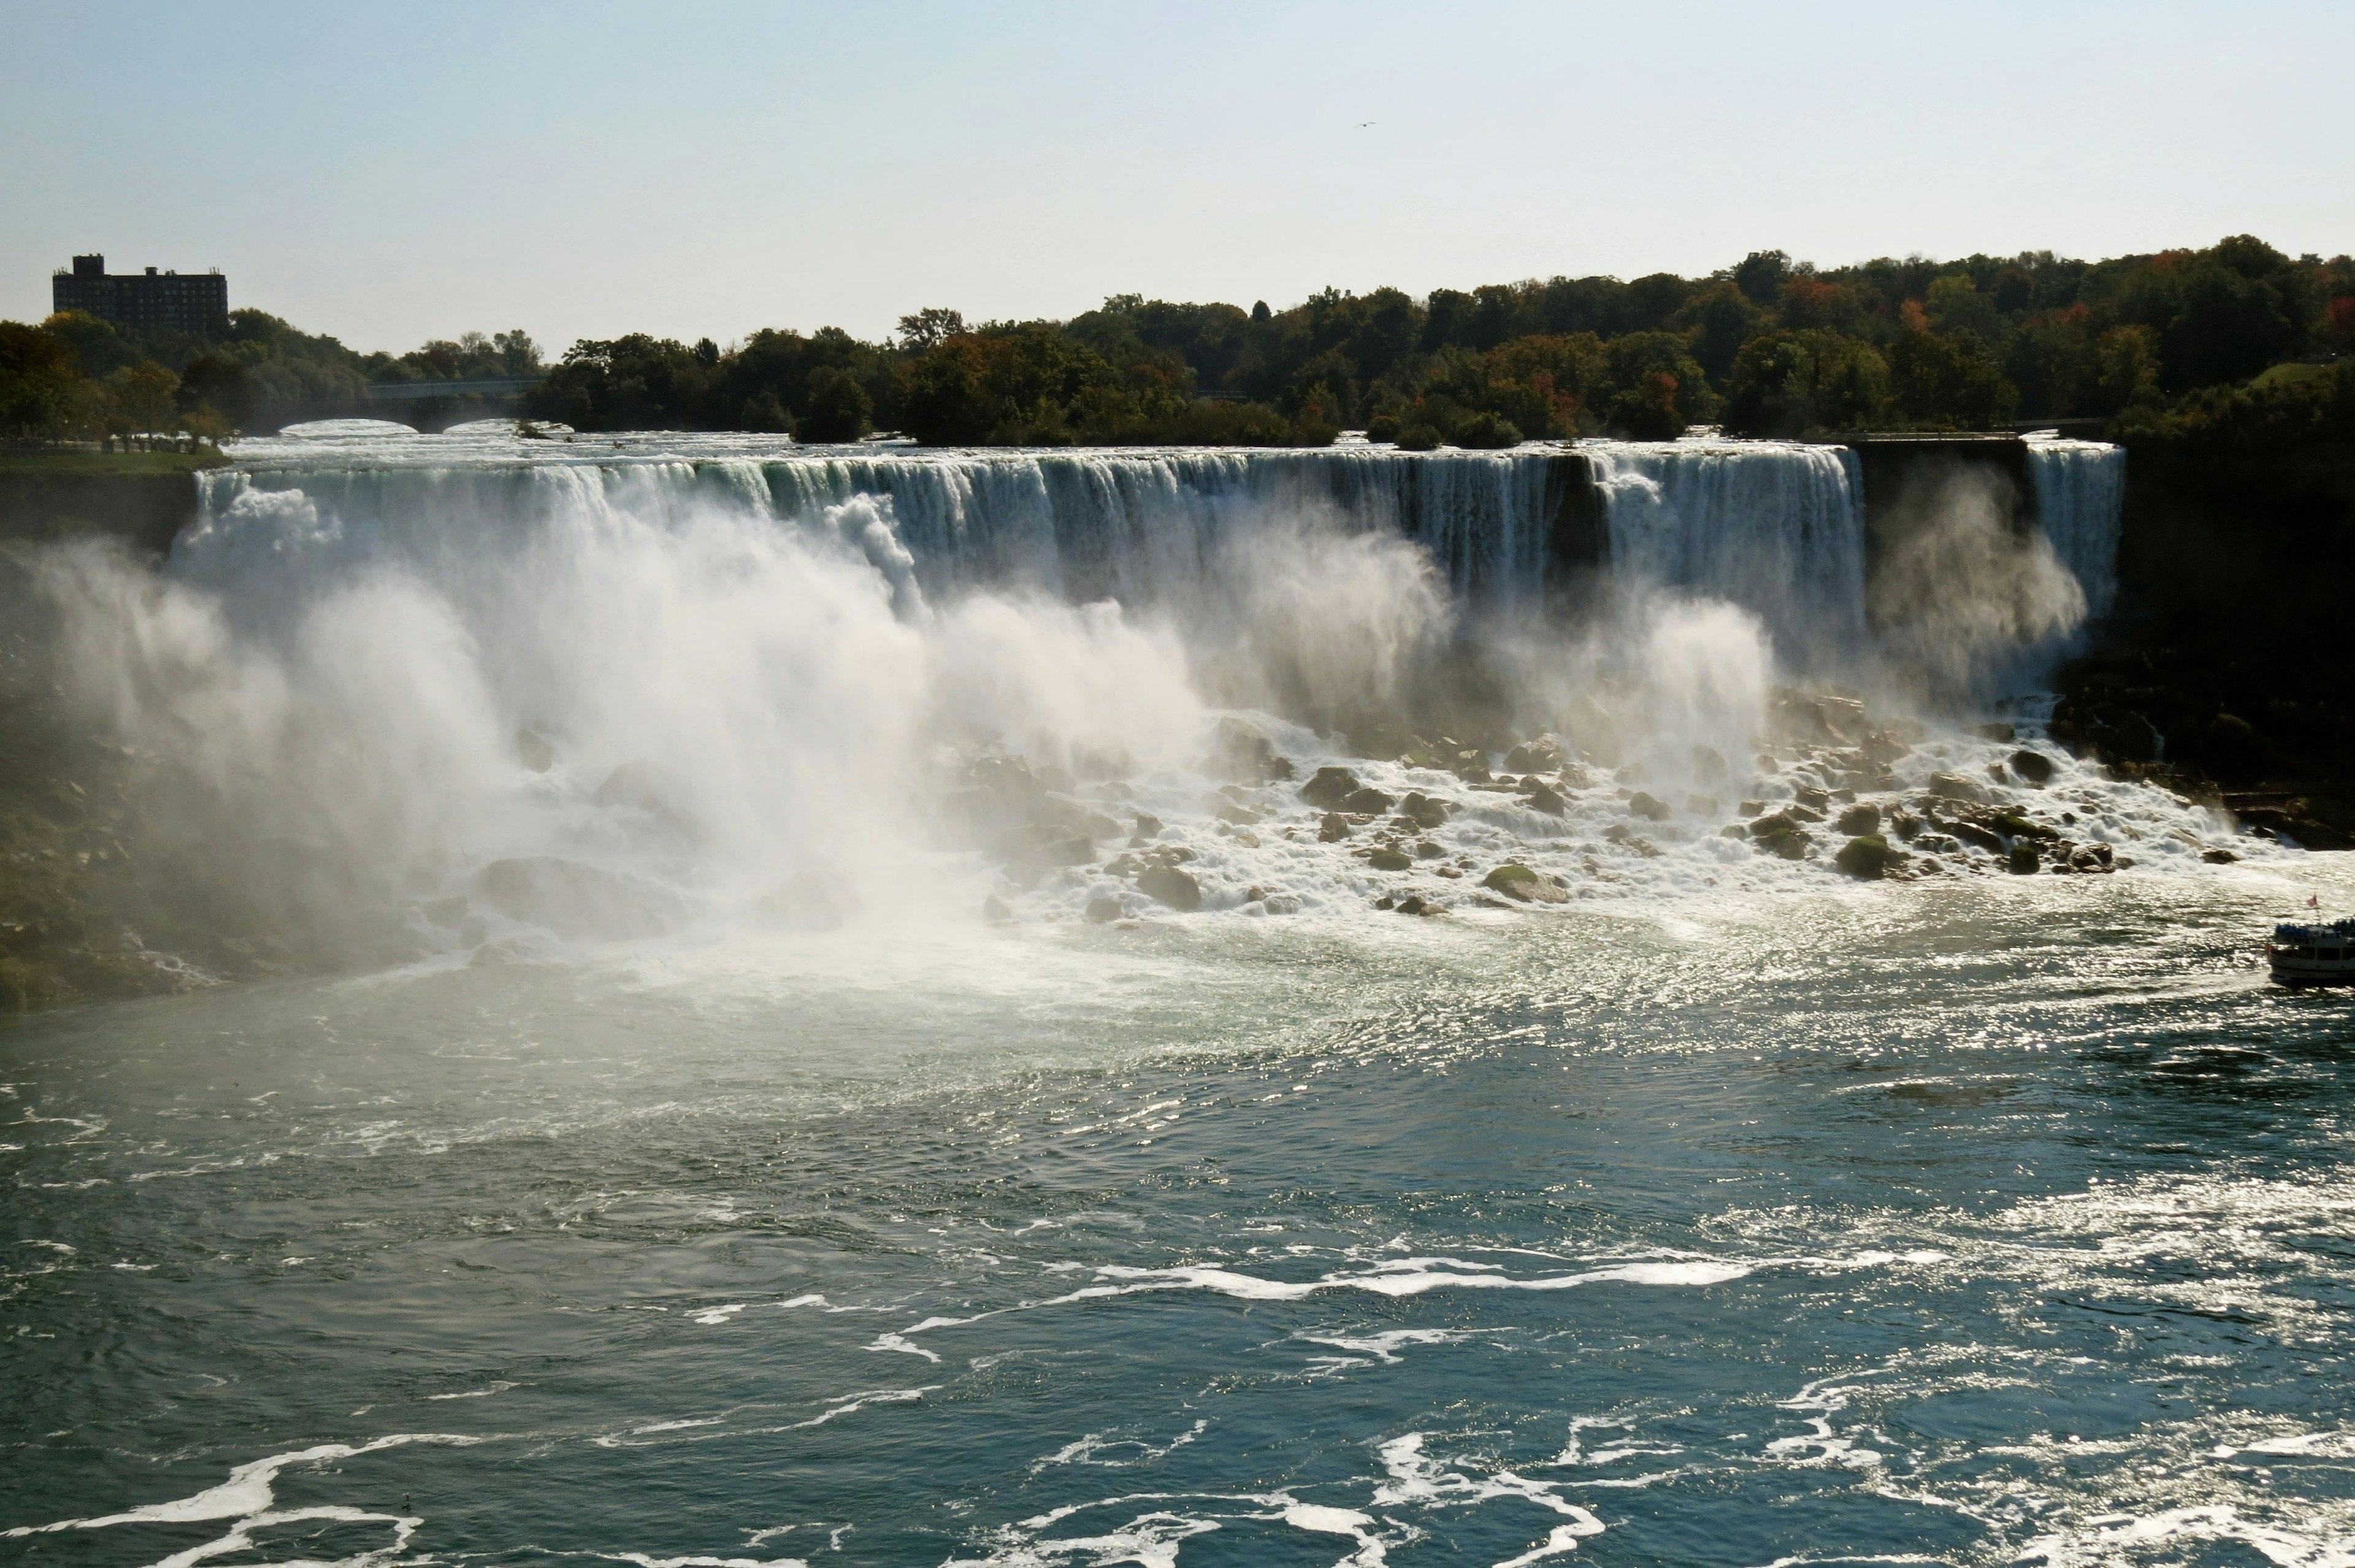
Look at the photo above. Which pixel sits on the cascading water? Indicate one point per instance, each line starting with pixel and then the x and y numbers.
pixel 1773 527
pixel 2080 489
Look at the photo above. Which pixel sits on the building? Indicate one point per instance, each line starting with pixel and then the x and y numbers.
pixel 193 301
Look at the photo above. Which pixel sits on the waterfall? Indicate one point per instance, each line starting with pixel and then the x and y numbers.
pixel 2079 485
pixel 1775 527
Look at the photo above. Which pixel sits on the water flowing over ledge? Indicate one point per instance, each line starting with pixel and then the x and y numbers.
pixel 1777 529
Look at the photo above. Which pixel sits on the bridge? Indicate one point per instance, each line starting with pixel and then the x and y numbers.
pixel 417 391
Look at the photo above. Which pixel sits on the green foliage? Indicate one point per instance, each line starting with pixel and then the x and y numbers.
pixel 1791 383
pixel 38 381
pixel 836 407
pixel 1656 388
pixel 1949 381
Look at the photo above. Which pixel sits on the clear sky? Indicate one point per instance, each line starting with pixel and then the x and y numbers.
pixel 396 171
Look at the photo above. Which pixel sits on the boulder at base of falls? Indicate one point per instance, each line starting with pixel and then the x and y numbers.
pixel 1389 859
pixel 1542 799
pixel 2218 857
pixel 1102 909
pixel 995 910
pixel 533 750
pixel 653 789
pixel 1239 751
pixel 1329 788
pixel 1426 813
pixel 2025 859
pixel 1542 755
pixel 1954 786
pixel 1868 857
pixel 1780 834
pixel 1368 802
pixel 1862 820
pixel 1646 806
pixel 580 901
pixel 814 900
pixel 1416 903
pixel 2033 766
pixel 1333 829
pixel 1972 834
pixel 1524 885
pixel 1171 886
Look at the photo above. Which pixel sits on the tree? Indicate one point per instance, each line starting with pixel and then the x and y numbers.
pixel 929 328
pixel 1787 383
pixel 38 382
pixel 1656 390
pixel 221 382
pixel 836 408
pixel 1949 381
pixel 145 397
pixel 1760 275
pixel 1719 320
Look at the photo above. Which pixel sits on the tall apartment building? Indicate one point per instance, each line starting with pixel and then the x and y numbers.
pixel 193 301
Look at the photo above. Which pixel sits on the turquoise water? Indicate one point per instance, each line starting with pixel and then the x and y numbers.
pixel 1976 1223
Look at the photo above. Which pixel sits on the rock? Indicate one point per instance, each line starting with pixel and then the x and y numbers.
pixel 1282 903
pixel 533 750
pixel 1416 903
pixel 1074 850
pixel 1333 829
pixel 1905 823
pixel 1102 909
pixel 1780 834
pixel 2014 826
pixel 1241 815
pixel 1425 849
pixel 1367 801
pixel 1954 786
pixel 1812 798
pixel 812 900
pixel 1425 812
pixel 449 913
pixel 2091 858
pixel 995 910
pixel 1239 751
pixel 2033 766
pixel 1102 759
pixel 2218 857
pixel 1171 886
pixel 1734 830
pixel 580 901
pixel 1701 804
pixel 1860 820
pixel 1646 806
pixel 1868 857
pixel 1148 824
pixel 1751 807
pixel 1541 755
pixel 2024 859
pixel 653 789
pixel 1329 788
pixel 1972 833
pixel 1994 733
pixel 1542 799
pixel 1523 885
pixel 1389 859
pixel 493 955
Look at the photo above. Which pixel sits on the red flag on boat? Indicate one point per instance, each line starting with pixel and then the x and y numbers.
pixel 2314 901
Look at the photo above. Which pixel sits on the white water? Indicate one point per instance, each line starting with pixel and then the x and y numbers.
pixel 2079 485
pixel 754 671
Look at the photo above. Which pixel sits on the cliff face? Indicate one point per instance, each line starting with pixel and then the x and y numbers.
pixel 143 510
pixel 2228 659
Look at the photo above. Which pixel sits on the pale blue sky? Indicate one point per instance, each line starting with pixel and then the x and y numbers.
pixel 398 170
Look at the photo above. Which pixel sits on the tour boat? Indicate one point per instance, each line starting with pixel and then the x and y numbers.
pixel 2313 954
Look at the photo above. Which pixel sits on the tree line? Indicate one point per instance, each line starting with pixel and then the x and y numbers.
pixel 1769 346
pixel 75 376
